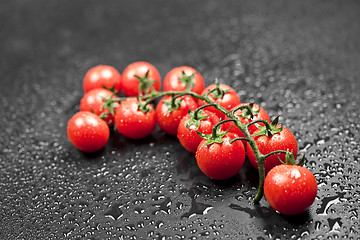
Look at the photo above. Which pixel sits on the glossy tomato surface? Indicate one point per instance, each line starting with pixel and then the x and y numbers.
pixel 169 121
pixel 130 83
pixel 93 101
pixel 102 76
pixel 132 122
pixel 290 189
pixel 173 80
pixel 229 100
pixel 221 161
pixel 187 135
pixel 87 131
pixel 283 140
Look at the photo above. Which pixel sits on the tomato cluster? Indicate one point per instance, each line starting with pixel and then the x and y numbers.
pixel 210 122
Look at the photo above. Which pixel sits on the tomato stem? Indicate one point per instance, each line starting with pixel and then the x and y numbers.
pixel 243 127
pixel 239 138
pixel 196 112
pixel 275 152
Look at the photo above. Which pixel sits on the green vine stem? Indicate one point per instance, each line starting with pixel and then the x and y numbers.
pixel 243 127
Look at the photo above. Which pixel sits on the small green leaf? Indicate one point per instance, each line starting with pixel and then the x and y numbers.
pixel 110 104
pixel 275 122
pixel 104 115
pixel 145 83
pixel 249 112
pixel 187 80
pixel 269 129
pixel 144 107
pixel 261 132
pixel 216 136
pixel 112 89
pixel 220 133
pixel 173 104
pixel 289 157
pixel 196 118
pixel 212 141
pixel 218 92
pixel 276 130
pixel 203 135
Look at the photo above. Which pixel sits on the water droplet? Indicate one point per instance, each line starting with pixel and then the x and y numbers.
pixel 115 212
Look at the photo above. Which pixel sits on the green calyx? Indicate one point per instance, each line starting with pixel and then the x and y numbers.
pixel 111 104
pixel 196 118
pixel 216 135
pixel 143 106
pixel 268 129
pixel 173 104
pixel 188 80
pixel 145 83
pixel 218 92
pixel 249 111
pixel 290 159
pixel 112 89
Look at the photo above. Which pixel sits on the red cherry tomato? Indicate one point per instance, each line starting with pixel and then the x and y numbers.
pixel 221 160
pixel 188 137
pixel 175 80
pixel 283 140
pixel 87 131
pixel 131 84
pixel 102 76
pixel 132 122
pixel 93 101
pixel 245 117
pixel 290 189
pixel 228 101
pixel 169 121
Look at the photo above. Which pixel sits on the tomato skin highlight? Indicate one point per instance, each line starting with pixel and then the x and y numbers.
pixel 283 140
pixel 290 189
pixel 132 122
pixel 87 132
pixel 221 161
pixel 169 121
pixel 130 84
pixel 172 82
pixel 228 101
pixel 188 137
pixel 102 76
pixel 93 101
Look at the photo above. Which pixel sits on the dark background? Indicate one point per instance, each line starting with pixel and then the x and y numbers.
pixel 298 59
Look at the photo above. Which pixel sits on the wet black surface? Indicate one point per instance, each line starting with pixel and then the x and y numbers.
pixel 299 60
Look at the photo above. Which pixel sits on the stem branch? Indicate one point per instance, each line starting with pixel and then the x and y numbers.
pixel 243 127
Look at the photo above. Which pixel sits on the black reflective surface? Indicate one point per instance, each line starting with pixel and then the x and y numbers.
pixel 298 60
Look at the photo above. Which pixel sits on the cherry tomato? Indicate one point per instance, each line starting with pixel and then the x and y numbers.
pixel 87 131
pixel 169 121
pixel 149 75
pixel 132 122
pixel 229 100
pixel 283 140
pixel 176 80
pixel 245 117
pixel 93 101
pixel 102 76
pixel 188 137
pixel 221 160
pixel 290 189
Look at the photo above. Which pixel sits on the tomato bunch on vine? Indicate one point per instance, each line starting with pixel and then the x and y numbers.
pixel 210 122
